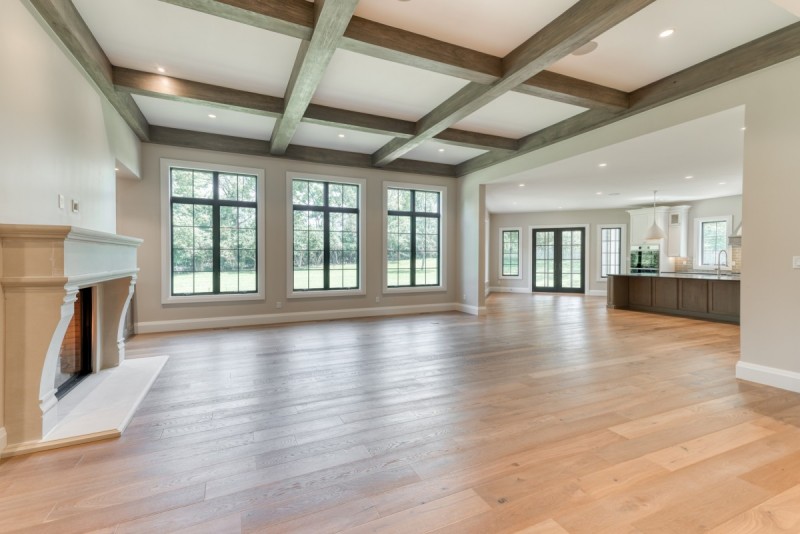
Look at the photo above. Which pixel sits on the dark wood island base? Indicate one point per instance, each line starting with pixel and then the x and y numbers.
pixel 709 297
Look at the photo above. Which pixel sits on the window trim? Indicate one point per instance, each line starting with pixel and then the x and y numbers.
pixel 442 190
pixel 500 274
pixel 698 241
pixel 323 293
pixel 587 236
pixel 166 234
pixel 624 249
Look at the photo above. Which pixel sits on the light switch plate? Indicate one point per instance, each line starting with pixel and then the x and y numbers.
pixel 796 262
pixel 76 207
pixel 61 202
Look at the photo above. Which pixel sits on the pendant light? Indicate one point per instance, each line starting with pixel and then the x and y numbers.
pixel 654 233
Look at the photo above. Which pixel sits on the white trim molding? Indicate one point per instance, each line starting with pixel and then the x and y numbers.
pixel 166 233
pixel 623 249
pixel 442 190
pixel 500 275
pixel 323 293
pixel 152 327
pixel 698 240
pixel 586 250
pixel 478 311
pixel 769 376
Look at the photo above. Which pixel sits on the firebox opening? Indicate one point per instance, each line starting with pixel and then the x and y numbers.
pixel 75 355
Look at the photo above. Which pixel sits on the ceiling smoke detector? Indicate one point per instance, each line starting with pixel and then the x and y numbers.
pixel 589 47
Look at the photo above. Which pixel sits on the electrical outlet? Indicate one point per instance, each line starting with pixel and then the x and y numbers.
pixel 377 299
pixel 464 297
pixel 279 305
pixel 796 262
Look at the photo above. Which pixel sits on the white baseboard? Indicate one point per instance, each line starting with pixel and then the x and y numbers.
pixel 472 310
pixel 769 376
pixel 498 289
pixel 597 293
pixel 151 327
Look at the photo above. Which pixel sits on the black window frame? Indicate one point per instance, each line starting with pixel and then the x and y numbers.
pixel 216 203
pixel 503 253
pixel 412 215
pixel 326 210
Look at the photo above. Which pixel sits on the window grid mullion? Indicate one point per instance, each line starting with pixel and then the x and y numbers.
pixel 215 231
pixel 326 239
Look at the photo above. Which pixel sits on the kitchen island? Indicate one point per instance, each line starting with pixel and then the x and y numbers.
pixel 701 296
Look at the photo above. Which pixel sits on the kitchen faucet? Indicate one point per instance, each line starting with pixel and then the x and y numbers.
pixel 719 260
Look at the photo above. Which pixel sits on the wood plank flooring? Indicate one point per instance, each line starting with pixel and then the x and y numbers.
pixel 550 415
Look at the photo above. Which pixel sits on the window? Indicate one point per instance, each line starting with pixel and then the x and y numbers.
pixel 711 237
pixel 212 232
pixel 414 237
pixel 610 251
pixel 325 235
pixel 509 253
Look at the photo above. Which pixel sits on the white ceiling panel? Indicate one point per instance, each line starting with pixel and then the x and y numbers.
pixel 320 136
pixel 709 150
pixel 437 152
pixel 362 83
pixel 632 54
pixel 147 34
pixel 495 27
pixel 516 115
pixel 185 116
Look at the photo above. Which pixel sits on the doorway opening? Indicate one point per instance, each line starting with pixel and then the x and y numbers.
pixel 559 260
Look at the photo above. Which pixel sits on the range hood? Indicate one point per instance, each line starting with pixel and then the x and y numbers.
pixel 735 240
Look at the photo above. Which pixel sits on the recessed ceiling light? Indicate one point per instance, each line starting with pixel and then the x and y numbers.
pixel 744 128
pixel 602 165
pixel 599 193
pixel 722 183
pixel 441 149
pixel 589 47
pixel 522 185
pixel 341 136
pixel 688 177
pixel 162 70
pixel 116 168
pixel 666 33
pixel 212 116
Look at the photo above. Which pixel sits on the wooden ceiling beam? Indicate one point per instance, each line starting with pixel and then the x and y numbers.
pixel 331 18
pixel 176 89
pixel 575 27
pixel 781 45
pixel 69 27
pixel 295 18
pixel 255 147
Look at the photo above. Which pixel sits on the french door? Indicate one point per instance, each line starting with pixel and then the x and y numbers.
pixel 559 259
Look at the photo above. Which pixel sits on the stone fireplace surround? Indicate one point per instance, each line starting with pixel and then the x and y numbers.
pixel 41 270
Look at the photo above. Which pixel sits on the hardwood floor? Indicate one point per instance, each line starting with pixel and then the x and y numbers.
pixel 550 415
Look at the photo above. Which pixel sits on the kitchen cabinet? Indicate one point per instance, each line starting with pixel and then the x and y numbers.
pixel 698 296
pixel 678 232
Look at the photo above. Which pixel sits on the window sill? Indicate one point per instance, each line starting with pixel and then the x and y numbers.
pixel 325 293
pixel 208 299
pixel 518 277
pixel 419 289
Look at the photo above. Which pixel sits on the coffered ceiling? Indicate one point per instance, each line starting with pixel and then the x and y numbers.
pixel 441 87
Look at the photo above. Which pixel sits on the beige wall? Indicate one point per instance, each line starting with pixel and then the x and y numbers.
pixel 561 218
pixel 59 135
pixel 722 206
pixel 139 215
pixel 771 195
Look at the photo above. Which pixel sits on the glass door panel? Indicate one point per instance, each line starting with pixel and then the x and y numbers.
pixel 558 260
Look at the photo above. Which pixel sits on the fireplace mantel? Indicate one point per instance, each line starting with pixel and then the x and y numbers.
pixel 41 270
